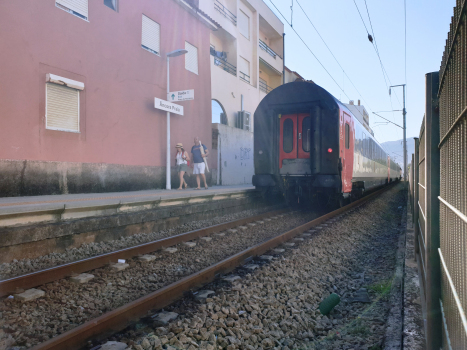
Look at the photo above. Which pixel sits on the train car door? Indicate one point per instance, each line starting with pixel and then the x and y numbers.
pixel 304 135
pixel 288 137
pixel 347 161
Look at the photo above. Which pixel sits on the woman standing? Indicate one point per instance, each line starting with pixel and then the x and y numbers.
pixel 182 160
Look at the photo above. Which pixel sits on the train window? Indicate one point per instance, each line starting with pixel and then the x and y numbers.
pixel 287 134
pixel 347 136
pixel 306 126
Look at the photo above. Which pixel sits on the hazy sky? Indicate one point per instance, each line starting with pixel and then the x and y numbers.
pixel 340 25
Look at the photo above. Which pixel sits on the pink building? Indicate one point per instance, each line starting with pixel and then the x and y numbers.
pixel 78 81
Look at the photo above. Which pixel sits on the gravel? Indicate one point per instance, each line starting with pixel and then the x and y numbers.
pixel 67 304
pixel 17 268
pixel 276 306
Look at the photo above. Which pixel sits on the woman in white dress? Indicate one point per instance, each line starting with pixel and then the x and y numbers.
pixel 182 160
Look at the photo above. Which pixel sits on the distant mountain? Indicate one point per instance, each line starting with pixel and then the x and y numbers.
pixel 396 150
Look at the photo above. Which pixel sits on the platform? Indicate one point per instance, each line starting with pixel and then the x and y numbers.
pixel 35 226
pixel 33 209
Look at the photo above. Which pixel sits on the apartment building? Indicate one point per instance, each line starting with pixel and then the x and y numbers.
pixel 79 78
pixel 246 64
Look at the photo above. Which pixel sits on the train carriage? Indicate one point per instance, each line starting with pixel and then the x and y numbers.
pixel 308 144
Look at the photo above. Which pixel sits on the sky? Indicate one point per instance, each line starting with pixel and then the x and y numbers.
pixel 359 73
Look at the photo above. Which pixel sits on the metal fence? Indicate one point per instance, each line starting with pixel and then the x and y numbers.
pixel 453 186
pixel 440 205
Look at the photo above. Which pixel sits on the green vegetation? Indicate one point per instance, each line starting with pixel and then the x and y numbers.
pixel 383 287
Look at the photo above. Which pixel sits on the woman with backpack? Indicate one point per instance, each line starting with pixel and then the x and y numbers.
pixel 182 159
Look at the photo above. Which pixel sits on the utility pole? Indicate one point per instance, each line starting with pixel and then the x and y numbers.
pixel 404 112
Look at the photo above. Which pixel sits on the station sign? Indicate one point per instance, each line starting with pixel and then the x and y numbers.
pixel 168 106
pixel 184 95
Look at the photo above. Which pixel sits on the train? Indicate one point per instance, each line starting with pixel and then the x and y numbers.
pixel 311 147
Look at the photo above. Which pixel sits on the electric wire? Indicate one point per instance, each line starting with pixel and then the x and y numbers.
pixel 375 46
pixel 285 19
pixel 324 41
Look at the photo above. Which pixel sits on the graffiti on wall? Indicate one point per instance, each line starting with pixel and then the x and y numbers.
pixel 244 153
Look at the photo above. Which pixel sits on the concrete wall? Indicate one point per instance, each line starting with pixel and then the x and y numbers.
pixel 119 127
pixel 236 155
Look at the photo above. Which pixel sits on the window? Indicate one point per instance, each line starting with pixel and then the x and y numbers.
pixel 287 134
pixel 347 136
pixel 306 130
pixel 244 24
pixel 218 113
pixel 62 103
pixel 244 69
pixel 113 4
pixel 191 58
pixel 151 35
pixel 78 8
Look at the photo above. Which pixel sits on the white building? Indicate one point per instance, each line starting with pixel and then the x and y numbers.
pixel 246 64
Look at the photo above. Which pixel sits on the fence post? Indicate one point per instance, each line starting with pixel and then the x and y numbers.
pixel 416 180
pixel 433 278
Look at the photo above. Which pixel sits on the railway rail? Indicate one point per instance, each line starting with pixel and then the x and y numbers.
pixel 118 319
pixel 34 279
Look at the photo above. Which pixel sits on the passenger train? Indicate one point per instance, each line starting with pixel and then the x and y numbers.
pixel 309 145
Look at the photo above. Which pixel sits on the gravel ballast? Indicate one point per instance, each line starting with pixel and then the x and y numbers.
pixel 87 250
pixel 276 305
pixel 67 304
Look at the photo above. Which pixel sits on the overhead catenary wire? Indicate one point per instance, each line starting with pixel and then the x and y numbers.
pixel 383 69
pixel 324 41
pixel 317 59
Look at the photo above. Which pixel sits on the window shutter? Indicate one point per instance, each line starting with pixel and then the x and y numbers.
pixel 62 108
pixel 244 24
pixel 244 66
pixel 151 36
pixel 191 58
pixel 78 6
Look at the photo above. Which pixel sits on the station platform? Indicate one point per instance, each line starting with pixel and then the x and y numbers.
pixel 26 210
pixel 39 225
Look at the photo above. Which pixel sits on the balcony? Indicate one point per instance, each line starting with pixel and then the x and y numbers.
pixel 218 6
pixel 263 86
pixel 244 77
pixel 222 63
pixel 265 47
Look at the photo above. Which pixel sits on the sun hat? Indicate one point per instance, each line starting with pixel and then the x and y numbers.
pixel 179 145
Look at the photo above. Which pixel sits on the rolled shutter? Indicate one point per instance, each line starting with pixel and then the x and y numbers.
pixel 244 66
pixel 151 35
pixel 78 6
pixel 191 58
pixel 244 24
pixel 62 111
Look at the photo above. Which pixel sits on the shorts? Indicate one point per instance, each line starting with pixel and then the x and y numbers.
pixel 182 167
pixel 198 168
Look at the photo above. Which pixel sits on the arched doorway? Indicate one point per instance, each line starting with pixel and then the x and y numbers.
pixel 218 113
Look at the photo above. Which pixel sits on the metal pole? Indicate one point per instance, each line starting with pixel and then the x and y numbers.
pixel 167 172
pixel 283 58
pixel 405 140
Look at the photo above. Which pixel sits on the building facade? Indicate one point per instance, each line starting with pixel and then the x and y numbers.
pixel 246 64
pixel 79 79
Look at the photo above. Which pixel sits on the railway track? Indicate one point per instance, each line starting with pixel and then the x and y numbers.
pixel 34 279
pixel 119 318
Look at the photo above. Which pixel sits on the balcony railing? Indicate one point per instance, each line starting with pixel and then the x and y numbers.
pixel 229 68
pixel 225 12
pixel 263 86
pixel 265 47
pixel 244 77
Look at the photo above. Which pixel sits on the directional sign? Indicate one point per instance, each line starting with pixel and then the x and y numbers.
pixel 168 106
pixel 178 96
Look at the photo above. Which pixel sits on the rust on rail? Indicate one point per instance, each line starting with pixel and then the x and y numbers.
pixel 41 277
pixel 118 319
